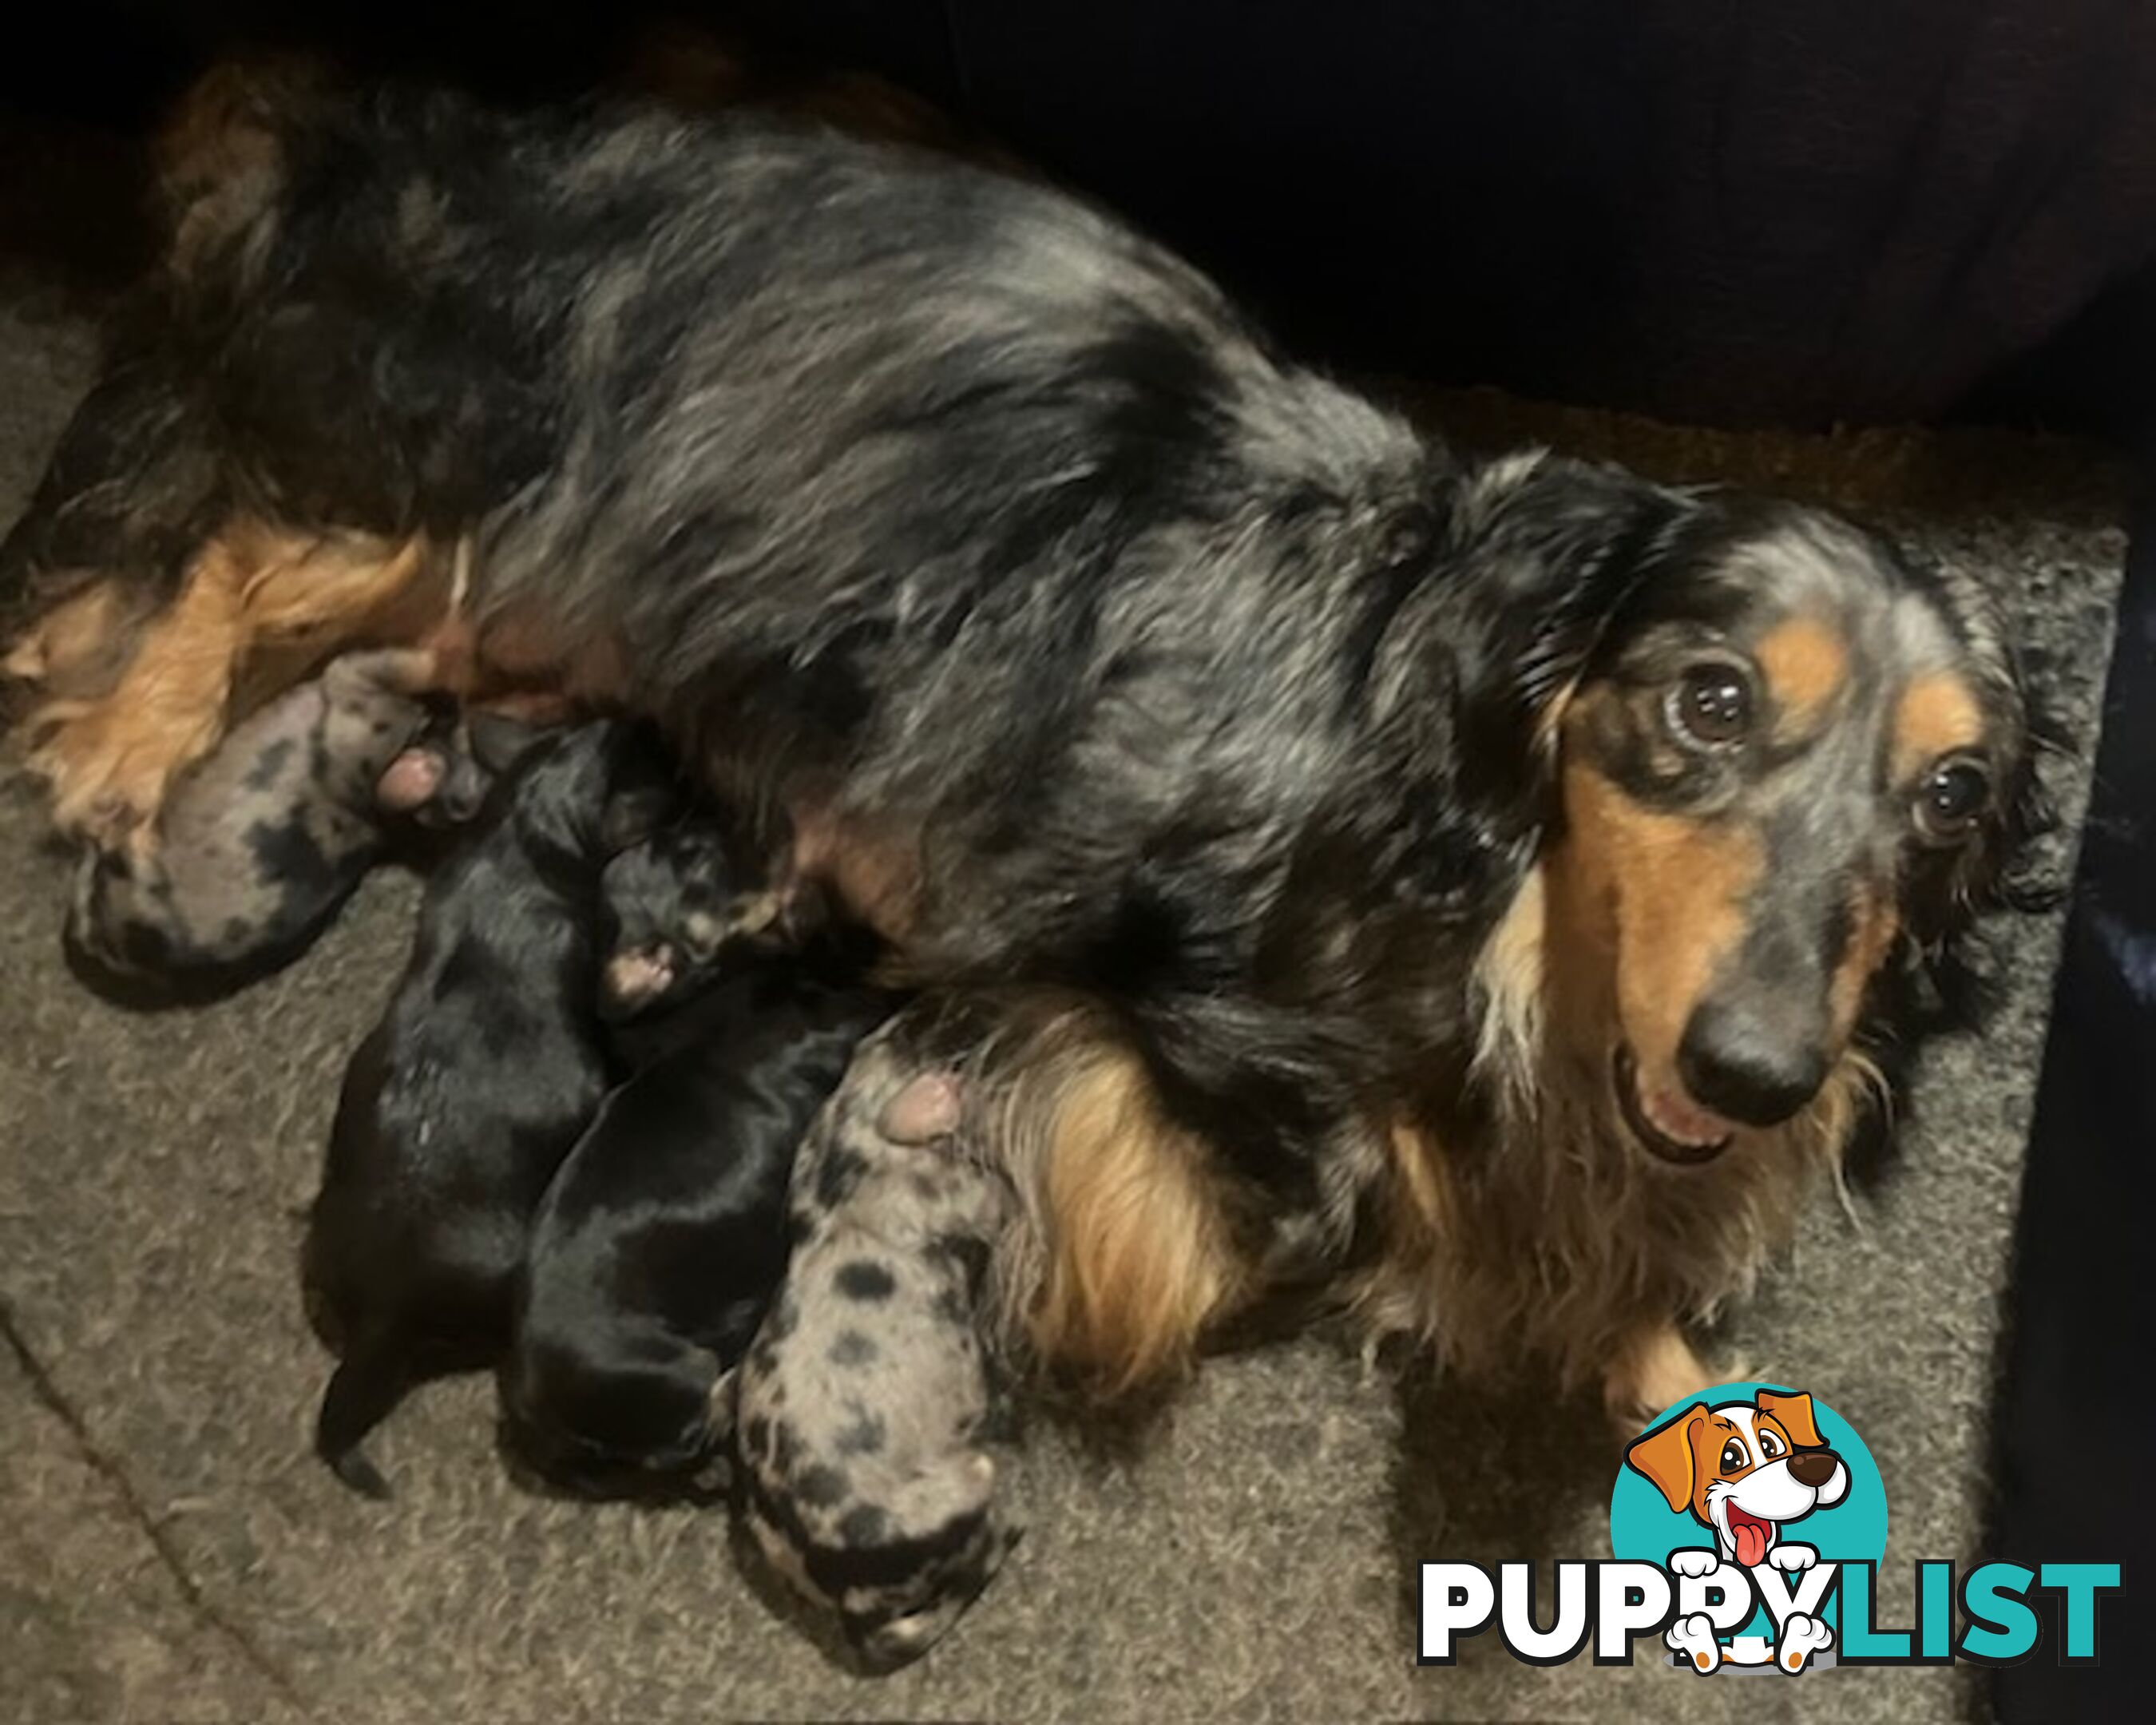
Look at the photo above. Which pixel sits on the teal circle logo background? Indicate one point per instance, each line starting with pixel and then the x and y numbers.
pixel 1644 1527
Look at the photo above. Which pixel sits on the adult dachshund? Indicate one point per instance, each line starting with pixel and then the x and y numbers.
pixel 1474 887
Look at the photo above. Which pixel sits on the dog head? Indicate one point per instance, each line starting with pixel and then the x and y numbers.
pixel 1784 763
pixel 1744 1469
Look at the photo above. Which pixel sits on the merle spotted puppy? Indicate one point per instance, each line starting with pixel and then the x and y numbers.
pixel 868 1404
pixel 264 840
pixel 664 1238
pixel 460 1105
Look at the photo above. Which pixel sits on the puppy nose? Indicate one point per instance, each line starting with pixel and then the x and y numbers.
pixel 1813 1467
pixel 1733 1061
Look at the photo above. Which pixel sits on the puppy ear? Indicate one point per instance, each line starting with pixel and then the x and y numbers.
pixel 1556 548
pixel 1795 1414
pixel 1664 1457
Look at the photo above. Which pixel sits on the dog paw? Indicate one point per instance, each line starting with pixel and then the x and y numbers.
pixel 1695 1563
pixel 1794 1557
pixel 1802 1637
pixel 108 782
pixel 1693 1639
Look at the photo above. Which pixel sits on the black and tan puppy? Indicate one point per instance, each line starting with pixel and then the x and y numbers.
pixel 460 1105
pixel 262 842
pixel 664 1238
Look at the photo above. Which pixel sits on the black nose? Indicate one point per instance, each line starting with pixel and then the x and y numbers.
pixel 1813 1467
pixel 1735 1062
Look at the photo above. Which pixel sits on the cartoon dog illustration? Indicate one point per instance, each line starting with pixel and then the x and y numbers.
pixel 1745 1470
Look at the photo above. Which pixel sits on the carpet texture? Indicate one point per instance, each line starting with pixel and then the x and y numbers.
pixel 170 1552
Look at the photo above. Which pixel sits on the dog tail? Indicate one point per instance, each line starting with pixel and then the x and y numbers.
pixel 364 1391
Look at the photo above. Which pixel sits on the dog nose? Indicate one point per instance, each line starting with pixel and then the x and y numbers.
pixel 1813 1467
pixel 1732 1060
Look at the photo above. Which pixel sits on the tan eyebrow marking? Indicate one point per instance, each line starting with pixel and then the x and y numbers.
pixel 1806 665
pixel 1937 714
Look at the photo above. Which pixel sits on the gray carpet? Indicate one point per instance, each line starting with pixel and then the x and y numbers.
pixel 169 1552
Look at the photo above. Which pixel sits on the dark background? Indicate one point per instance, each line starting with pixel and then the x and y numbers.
pixel 1844 211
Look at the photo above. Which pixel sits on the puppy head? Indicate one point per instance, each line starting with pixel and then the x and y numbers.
pixel 909 1564
pixel 438 779
pixel 1787 763
pixel 118 923
pixel 672 908
pixel 1743 1468
pixel 442 779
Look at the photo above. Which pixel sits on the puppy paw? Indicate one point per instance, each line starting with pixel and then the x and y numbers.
pixel 1692 1638
pixel 1793 1557
pixel 1802 1638
pixel 1694 1564
pixel 637 976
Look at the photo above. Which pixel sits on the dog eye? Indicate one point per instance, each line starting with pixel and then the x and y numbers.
pixel 1769 1446
pixel 1711 705
pixel 1950 800
pixel 1734 1458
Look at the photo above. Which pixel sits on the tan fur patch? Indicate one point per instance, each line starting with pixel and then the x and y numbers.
pixel 218 158
pixel 1875 923
pixel 110 761
pixel 71 648
pixel 1806 665
pixel 1138 1258
pixel 873 865
pixel 1937 715
pixel 520 651
pixel 1657 899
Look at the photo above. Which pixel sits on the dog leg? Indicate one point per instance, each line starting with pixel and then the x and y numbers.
pixel 109 761
pixel 73 644
pixel 1655 1369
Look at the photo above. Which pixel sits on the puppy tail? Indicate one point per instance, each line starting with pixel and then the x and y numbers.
pixel 364 1391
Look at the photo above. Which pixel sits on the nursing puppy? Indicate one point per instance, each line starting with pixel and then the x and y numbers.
pixel 460 1105
pixel 869 1402
pixel 664 1238
pixel 264 842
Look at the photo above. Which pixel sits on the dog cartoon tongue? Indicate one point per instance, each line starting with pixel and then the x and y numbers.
pixel 1751 1536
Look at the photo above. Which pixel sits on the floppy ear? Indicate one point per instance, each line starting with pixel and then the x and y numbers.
pixel 1557 547
pixel 1795 1414
pixel 1664 1457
